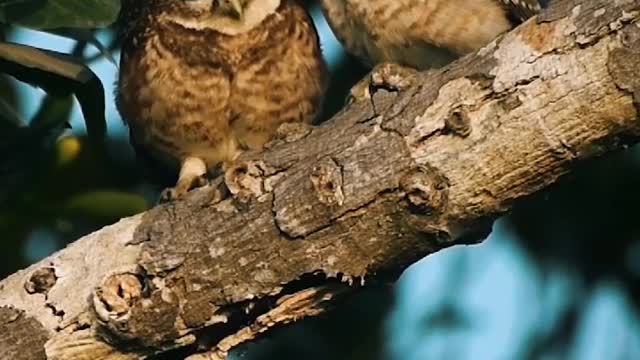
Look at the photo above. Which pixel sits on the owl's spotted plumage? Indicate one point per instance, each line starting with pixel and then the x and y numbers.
pixel 200 80
pixel 421 34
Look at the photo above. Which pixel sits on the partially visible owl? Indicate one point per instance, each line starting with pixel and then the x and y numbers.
pixel 420 34
pixel 201 80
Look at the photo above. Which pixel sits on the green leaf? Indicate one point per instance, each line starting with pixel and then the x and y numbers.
pixel 48 14
pixel 106 204
pixel 59 75
pixel 54 113
pixel 9 116
pixel 9 104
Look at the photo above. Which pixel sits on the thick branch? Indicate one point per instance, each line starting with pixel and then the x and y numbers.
pixel 327 209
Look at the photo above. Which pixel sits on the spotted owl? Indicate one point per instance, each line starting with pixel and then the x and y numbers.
pixel 202 80
pixel 421 34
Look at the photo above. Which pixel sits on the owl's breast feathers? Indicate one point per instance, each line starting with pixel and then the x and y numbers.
pixel 199 92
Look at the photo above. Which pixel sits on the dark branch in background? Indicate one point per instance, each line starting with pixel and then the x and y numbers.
pixel 326 210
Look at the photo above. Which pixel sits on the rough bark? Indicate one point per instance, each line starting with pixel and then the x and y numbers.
pixel 328 209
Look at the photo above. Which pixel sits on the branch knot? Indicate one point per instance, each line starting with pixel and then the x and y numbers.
pixel 426 190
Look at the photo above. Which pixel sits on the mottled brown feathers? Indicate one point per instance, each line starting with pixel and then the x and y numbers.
pixel 421 33
pixel 188 90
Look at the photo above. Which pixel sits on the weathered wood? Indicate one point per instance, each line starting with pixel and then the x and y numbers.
pixel 358 199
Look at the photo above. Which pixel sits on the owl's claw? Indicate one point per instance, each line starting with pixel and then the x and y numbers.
pixel 193 174
pixel 182 188
pixel 167 195
pixel 390 76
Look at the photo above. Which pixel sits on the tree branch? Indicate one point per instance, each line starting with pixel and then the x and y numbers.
pixel 326 210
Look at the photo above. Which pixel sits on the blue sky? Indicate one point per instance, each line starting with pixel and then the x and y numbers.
pixel 504 299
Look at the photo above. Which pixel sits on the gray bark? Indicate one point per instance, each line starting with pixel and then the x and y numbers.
pixel 326 210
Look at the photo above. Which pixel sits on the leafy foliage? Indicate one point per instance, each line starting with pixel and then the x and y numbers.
pixel 58 74
pixel 51 181
pixel 50 14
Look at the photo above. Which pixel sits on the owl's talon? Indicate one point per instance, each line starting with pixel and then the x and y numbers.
pixel 200 181
pixel 390 76
pixel 175 193
pixel 193 174
pixel 360 91
pixel 167 195
pixel 182 188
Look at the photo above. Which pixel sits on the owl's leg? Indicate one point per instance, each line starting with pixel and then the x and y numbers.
pixel 387 75
pixel 193 173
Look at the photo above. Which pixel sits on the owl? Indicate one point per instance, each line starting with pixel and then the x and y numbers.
pixel 202 80
pixel 399 36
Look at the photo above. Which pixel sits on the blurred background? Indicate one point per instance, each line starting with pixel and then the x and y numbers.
pixel 558 278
